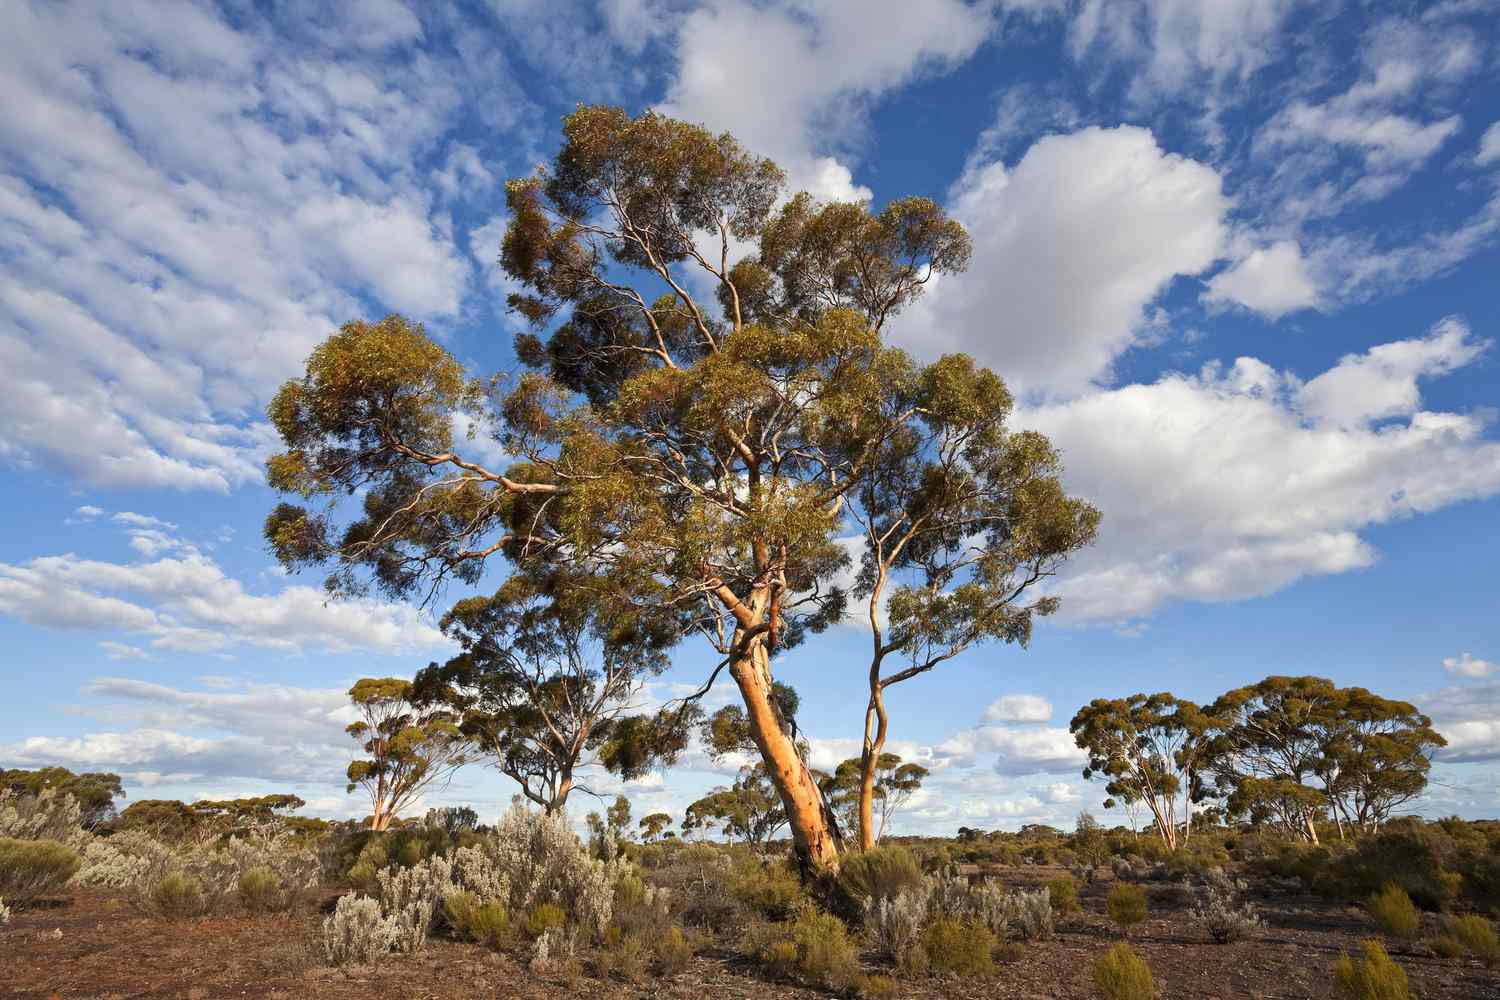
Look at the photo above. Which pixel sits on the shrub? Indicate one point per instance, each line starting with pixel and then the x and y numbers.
pixel 1121 974
pixel 1393 912
pixel 674 950
pixel 31 869
pixel 1028 915
pixel 624 955
pixel 824 952
pixel 482 923
pixel 962 948
pixel 176 896
pixel 409 898
pixel 771 890
pixel 459 907
pixel 356 932
pixel 1062 892
pixel 48 815
pixel 1373 977
pixel 260 891
pixel 1413 856
pixel 4 913
pixel 1126 905
pixel 877 987
pixel 544 917
pixel 879 873
pixel 1468 935
pixel 894 924
pixel 1224 921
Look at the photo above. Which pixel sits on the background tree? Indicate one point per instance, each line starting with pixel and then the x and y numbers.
pixel 653 825
pixel 408 748
pixel 895 783
pixel 1151 748
pixel 700 462
pixel 95 791
pixel 1289 750
pixel 544 684
pixel 748 810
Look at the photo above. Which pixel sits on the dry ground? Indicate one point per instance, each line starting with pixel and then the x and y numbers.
pixel 95 946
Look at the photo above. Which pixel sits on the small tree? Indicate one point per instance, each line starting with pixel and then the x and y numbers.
pixel 1151 748
pixel 653 825
pixel 408 748
pixel 896 782
pixel 544 684
pixel 748 810
pixel 94 791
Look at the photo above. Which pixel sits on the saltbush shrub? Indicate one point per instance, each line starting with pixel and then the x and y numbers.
pixel 1062 893
pixel 894 924
pixel 1394 913
pixel 1028 914
pixel 1121 974
pixel 1225 922
pixel 1372 977
pixel 962 948
pixel 410 897
pixel 31 869
pixel 4 913
pixel 1126 905
pixel 48 815
pixel 356 932
pixel 1470 935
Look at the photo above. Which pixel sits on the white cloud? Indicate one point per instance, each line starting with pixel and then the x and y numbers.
pixel 1489 146
pixel 1070 248
pixel 1272 280
pixel 1467 665
pixel 122 651
pixel 1019 708
pixel 807 104
pixel 188 603
pixel 1018 750
pixel 1469 719
pixel 1237 481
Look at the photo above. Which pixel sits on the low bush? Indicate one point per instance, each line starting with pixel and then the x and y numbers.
pixel 48 815
pixel 1028 914
pixel 544 917
pixel 410 897
pixel 1121 974
pixel 1372 977
pixel 825 954
pixel 261 891
pixel 623 956
pixel 962 948
pixel 1062 892
pixel 1394 913
pixel 877 987
pixel 1126 905
pixel 1471 936
pixel 176 896
pixel 770 889
pixel 1414 856
pixel 4 913
pixel 1225 922
pixel 31 869
pixel 356 932
pixel 870 876
pixel 674 950
pixel 894 924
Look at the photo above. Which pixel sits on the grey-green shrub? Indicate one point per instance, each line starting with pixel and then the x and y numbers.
pixel 409 899
pixel 894 924
pixel 356 932
pixel 1371 977
pixel 1223 920
pixel 1121 974
pixel 48 815
pixel 4 913
pixel 31 869
pixel 1028 914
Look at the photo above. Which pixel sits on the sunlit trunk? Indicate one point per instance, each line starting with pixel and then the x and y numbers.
pixel 874 744
pixel 788 773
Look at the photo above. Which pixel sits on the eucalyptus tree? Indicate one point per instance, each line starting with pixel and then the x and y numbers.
pixel 896 781
pixel 407 747
pixel 749 810
pixel 1151 749
pixel 653 824
pixel 692 455
pixel 546 683
pixel 1290 750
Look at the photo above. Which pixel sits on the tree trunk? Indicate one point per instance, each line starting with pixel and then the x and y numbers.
pixel 800 797
pixel 380 818
pixel 874 744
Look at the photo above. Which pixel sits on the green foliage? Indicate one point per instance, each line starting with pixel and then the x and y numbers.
pixel 750 810
pixel 544 917
pixel 1121 974
pixel 959 947
pixel 1413 856
pixel 409 747
pixel 33 869
pixel 1470 935
pixel 870 876
pixel 176 896
pixel 1393 912
pixel 94 792
pixel 825 952
pixel 260 891
pixel 1126 905
pixel 770 889
pixel 1063 892
pixel 653 825
pixel 674 951
pixel 482 922
pixel 1372 977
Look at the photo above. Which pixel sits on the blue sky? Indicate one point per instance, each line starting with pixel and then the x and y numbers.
pixel 1239 260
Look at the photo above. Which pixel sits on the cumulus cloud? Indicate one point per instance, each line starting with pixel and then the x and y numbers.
pixel 1016 750
pixel 1070 248
pixel 805 106
pixel 1467 665
pixel 1272 280
pixel 1019 708
pixel 1469 719
pixel 1489 146
pixel 1237 481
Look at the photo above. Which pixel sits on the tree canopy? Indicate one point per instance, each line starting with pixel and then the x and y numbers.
pixel 408 747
